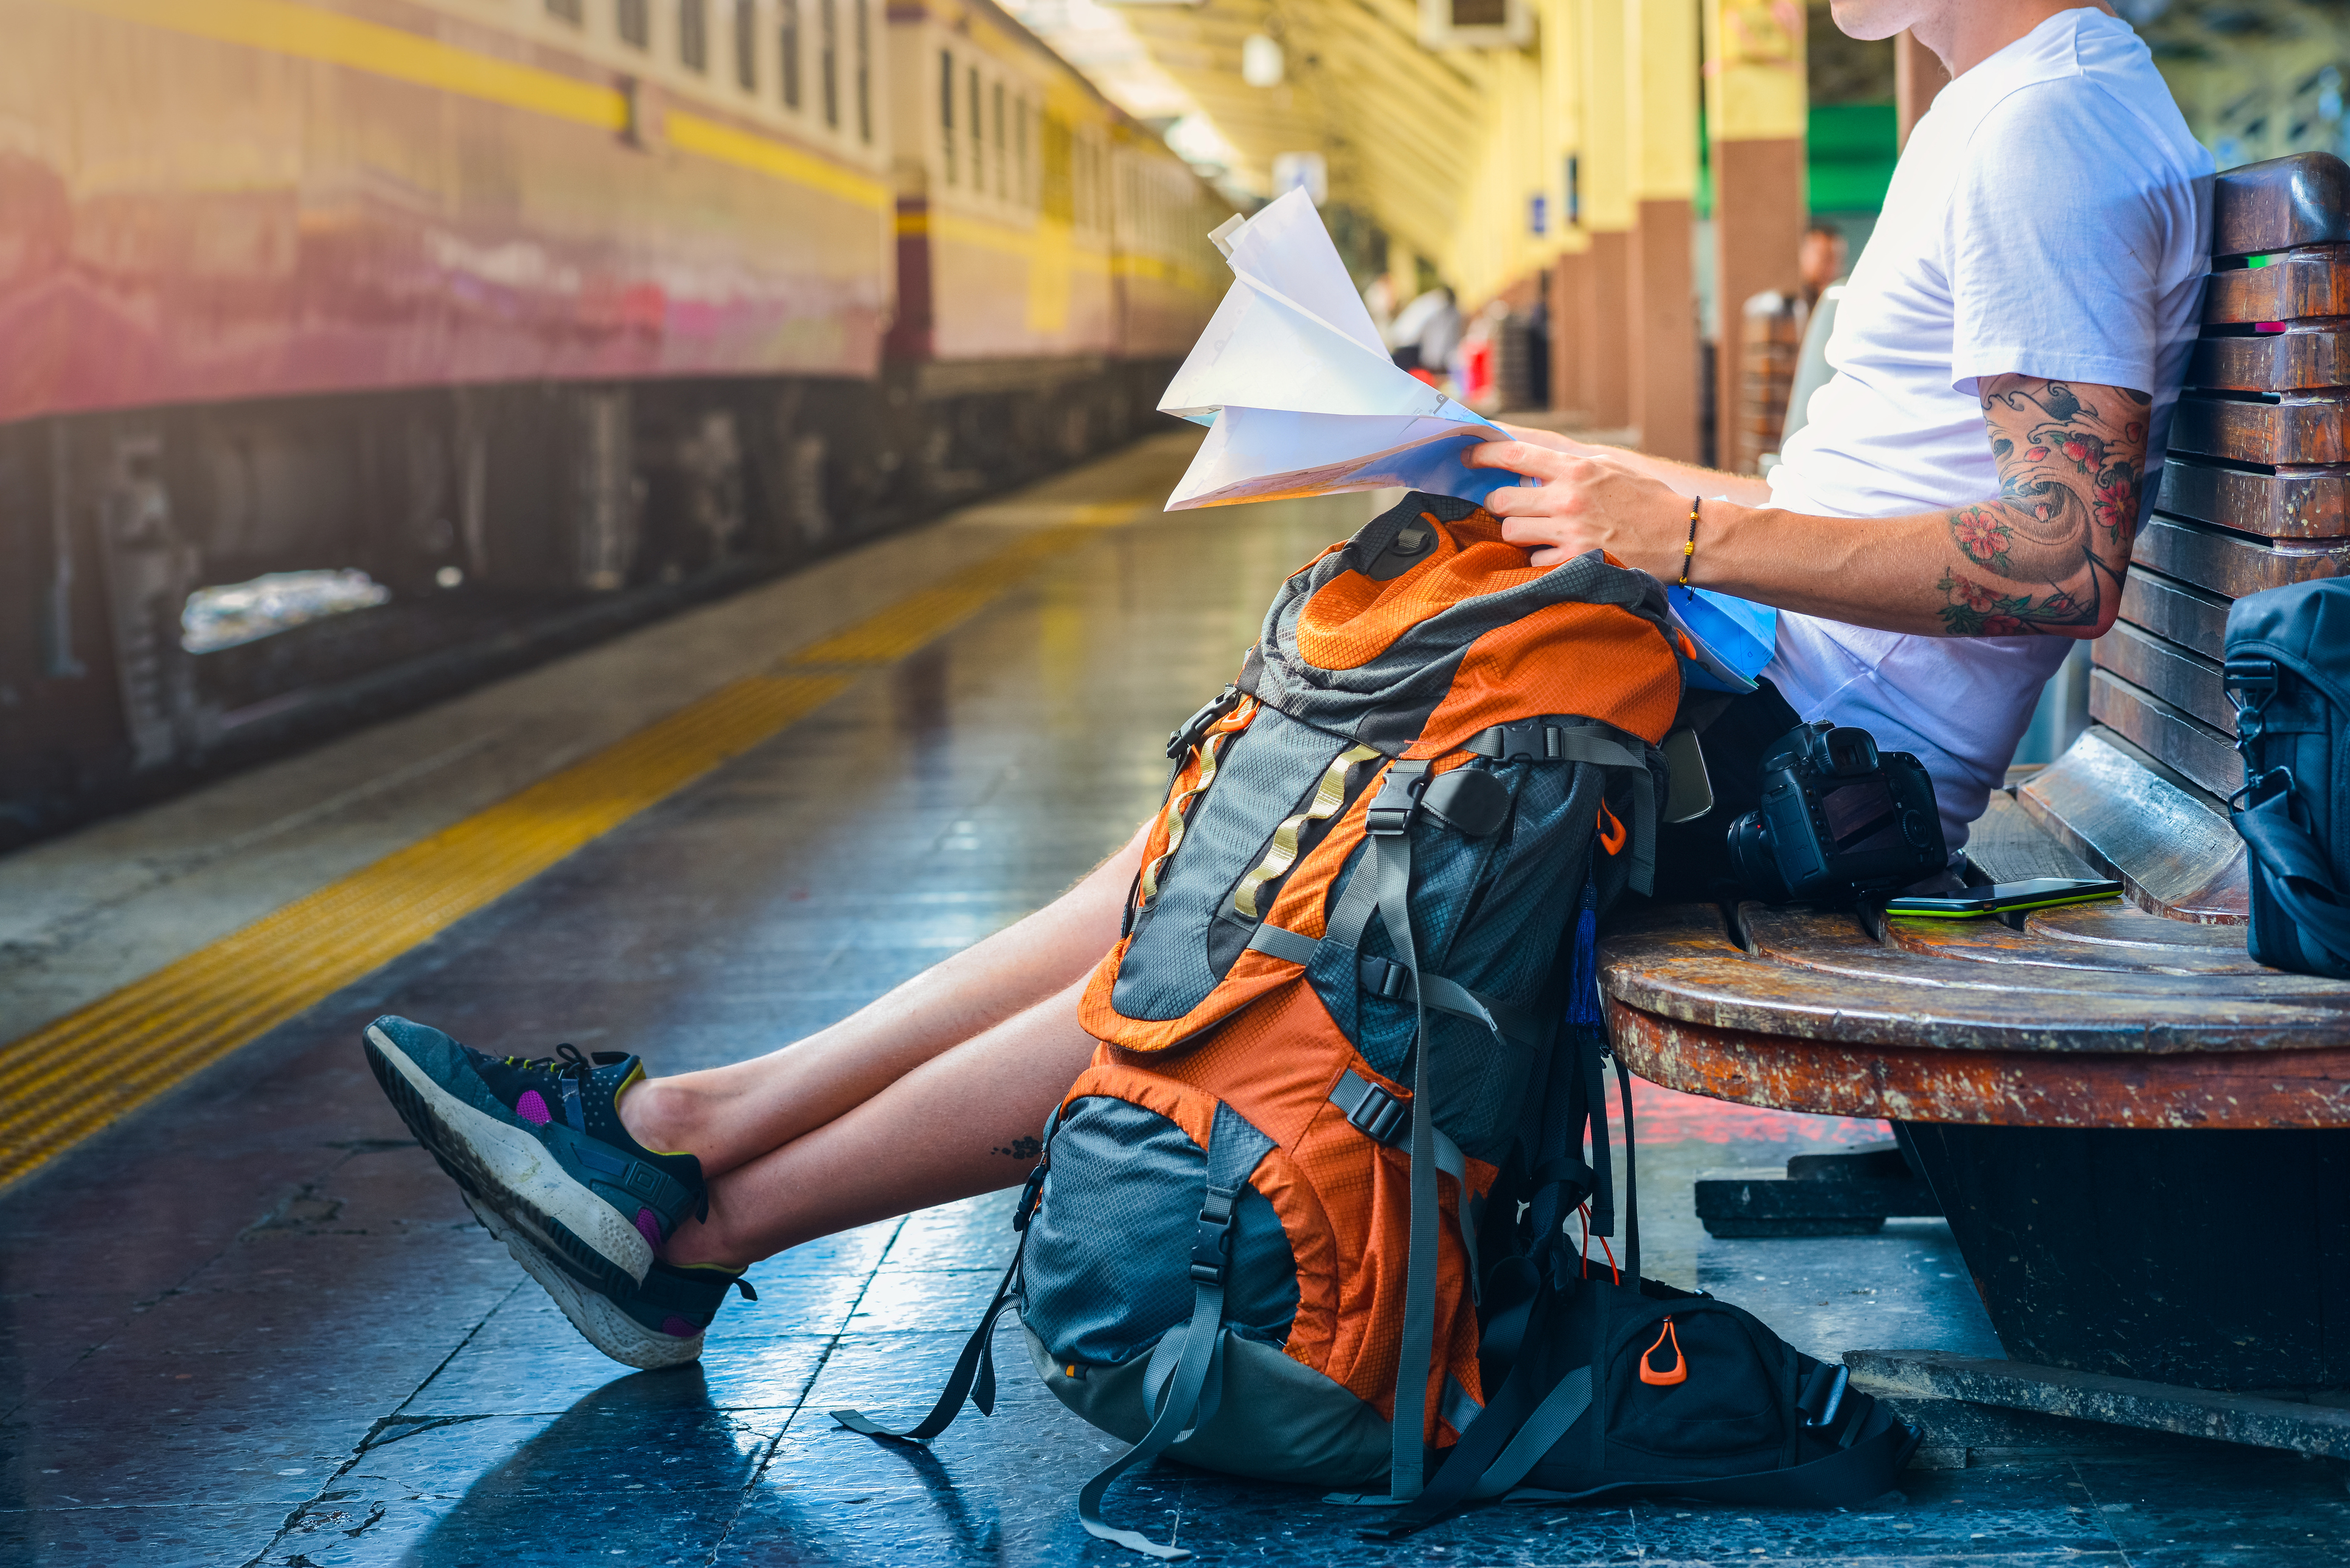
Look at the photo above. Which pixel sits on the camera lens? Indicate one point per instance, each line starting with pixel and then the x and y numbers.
pixel 1751 857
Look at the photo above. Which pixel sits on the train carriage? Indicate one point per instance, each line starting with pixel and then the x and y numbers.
pixel 543 315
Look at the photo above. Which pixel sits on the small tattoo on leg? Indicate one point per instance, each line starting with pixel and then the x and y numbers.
pixel 1022 1148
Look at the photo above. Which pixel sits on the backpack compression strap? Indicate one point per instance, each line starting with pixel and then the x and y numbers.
pixel 1231 1157
pixel 1387 823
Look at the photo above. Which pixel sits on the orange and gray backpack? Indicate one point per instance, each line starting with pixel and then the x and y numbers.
pixel 1305 1215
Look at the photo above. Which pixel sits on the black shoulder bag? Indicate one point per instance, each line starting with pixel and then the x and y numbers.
pixel 2289 676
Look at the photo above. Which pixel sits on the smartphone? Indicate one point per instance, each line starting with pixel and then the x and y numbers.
pixel 2042 893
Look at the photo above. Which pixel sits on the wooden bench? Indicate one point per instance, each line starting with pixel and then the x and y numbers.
pixel 2141 1138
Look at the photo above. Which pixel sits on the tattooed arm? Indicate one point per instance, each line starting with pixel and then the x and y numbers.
pixel 2045 556
pixel 2049 554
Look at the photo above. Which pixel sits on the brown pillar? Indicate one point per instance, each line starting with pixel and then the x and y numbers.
pixel 1569 283
pixel 1664 325
pixel 1604 338
pixel 1917 76
pixel 1758 216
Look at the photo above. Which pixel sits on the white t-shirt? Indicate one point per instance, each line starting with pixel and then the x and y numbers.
pixel 2050 216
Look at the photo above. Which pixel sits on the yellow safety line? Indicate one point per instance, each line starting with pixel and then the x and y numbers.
pixel 73 1076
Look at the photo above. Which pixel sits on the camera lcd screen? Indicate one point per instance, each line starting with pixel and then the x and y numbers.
pixel 1860 816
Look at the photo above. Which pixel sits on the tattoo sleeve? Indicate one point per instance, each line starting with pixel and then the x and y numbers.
pixel 2048 555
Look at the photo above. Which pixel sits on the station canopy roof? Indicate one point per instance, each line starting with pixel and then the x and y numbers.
pixel 1391 117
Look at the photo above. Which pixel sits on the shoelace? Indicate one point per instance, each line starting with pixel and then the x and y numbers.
pixel 568 1059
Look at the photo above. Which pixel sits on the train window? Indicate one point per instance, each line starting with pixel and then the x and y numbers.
pixel 746 45
pixel 946 112
pixel 864 72
pixel 571 11
pixel 635 23
pixel 978 137
pixel 693 34
pixel 827 59
pixel 790 30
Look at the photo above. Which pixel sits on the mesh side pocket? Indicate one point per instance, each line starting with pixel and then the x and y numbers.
pixel 1108 1260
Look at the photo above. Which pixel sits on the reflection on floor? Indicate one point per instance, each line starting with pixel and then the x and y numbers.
pixel 253 1324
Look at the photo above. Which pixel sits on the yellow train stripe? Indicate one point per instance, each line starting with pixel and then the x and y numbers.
pixel 307 32
pixel 73 1076
pixel 689 132
pixel 992 234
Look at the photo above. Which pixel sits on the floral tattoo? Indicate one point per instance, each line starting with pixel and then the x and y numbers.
pixel 2053 547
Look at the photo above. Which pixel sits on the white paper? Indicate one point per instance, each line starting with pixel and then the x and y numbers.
pixel 1298 391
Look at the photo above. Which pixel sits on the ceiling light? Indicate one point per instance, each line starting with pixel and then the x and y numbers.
pixel 1260 61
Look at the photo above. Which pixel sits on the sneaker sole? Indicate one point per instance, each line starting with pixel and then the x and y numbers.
pixel 599 1323
pixel 512 1173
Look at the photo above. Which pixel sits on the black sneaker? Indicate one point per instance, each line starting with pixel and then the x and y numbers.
pixel 539 1143
pixel 650 1325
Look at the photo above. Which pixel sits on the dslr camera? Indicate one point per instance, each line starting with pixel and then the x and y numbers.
pixel 1837 818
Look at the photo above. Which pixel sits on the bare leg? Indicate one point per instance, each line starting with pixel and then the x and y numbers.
pixel 963 1122
pixel 733 1115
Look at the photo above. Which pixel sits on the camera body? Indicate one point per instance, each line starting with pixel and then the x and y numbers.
pixel 1837 818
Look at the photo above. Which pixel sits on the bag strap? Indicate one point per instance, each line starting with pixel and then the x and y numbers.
pixel 1535 740
pixel 2299 878
pixel 975 1370
pixel 1231 1159
pixel 1387 821
pixel 1211 1250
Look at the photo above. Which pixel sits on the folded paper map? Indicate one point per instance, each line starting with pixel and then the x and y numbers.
pixel 1300 397
pixel 1296 390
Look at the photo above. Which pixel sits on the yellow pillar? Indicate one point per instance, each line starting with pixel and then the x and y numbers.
pixel 1755 113
pixel 1605 338
pixel 1661 44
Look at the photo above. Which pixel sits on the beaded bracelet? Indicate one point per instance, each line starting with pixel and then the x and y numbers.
pixel 1689 551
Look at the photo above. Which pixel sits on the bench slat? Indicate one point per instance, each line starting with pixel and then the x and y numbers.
pixel 2295 504
pixel 2172 847
pixel 2006 845
pixel 1830 944
pixel 2212 1089
pixel 1993 943
pixel 2231 564
pixel 2175 611
pixel 2302 430
pixel 2126 925
pixel 2185 680
pixel 2278 205
pixel 2300 360
pixel 2166 733
pixel 2295 286
pixel 1865 993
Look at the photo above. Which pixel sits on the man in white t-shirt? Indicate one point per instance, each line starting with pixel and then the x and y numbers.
pixel 2035 272
pixel 1959 507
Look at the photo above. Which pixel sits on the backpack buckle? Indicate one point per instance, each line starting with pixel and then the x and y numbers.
pixel 1188 734
pixel 1387 981
pixel 1371 1110
pixel 2249 680
pixel 1025 1210
pixel 1391 810
pixel 1212 1238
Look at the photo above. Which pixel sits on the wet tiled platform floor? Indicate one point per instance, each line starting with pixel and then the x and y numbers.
pixel 253 1324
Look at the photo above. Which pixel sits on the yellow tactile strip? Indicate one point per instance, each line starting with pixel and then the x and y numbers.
pixel 67 1079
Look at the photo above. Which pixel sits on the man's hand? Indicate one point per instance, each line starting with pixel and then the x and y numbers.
pixel 1586 500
